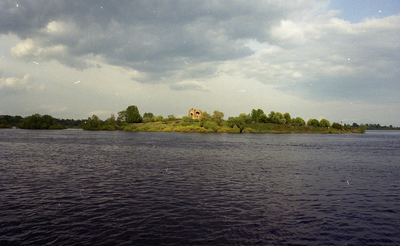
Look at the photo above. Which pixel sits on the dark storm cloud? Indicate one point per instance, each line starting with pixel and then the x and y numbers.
pixel 158 38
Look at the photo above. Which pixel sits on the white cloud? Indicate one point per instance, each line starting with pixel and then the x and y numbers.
pixel 14 84
pixel 189 85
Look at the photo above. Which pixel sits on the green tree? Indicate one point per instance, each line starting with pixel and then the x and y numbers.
pixel 132 114
pixel 288 118
pixel 278 118
pixel 324 123
pixel 362 128
pixel 121 116
pixel 337 126
pixel 271 116
pixel 263 118
pixel 171 117
pixel 255 114
pixel 240 123
pixel 211 125
pixel 110 121
pixel 204 118
pixel 313 122
pixel 299 121
pixel 218 117
pixel 148 115
pixel 246 117
pixel 92 123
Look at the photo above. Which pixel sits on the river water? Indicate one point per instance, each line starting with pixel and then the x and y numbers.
pixel 76 187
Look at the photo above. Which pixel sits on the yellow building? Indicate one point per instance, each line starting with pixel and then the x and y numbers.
pixel 194 113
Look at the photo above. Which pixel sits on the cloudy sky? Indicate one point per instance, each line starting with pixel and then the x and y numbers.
pixel 335 59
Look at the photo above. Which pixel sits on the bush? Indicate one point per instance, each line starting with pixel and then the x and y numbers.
pixel 211 125
pixel 362 128
pixel 324 123
pixel 337 126
pixel 313 122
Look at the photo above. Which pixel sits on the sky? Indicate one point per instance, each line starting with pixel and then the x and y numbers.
pixel 337 59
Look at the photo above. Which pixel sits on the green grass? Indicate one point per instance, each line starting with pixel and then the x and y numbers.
pixel 181 126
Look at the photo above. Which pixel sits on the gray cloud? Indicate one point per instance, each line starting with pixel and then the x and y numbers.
pixel 129 33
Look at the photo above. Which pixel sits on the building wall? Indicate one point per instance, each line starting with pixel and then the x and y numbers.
pixel 194 113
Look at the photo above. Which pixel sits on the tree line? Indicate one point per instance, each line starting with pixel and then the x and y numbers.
pixel 210 122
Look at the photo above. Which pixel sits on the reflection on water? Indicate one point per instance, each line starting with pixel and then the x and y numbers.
pixel 79 187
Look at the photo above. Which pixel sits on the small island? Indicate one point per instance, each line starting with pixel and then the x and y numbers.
pixel 197 121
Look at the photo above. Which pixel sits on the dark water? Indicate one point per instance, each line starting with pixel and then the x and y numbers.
pixel 135 188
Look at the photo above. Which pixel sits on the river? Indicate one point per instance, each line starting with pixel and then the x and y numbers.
pixel 75 187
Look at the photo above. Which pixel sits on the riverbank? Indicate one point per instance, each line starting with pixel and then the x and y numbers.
pixel 180 126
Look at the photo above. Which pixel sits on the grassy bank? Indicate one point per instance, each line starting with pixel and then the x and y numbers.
pixel 181 126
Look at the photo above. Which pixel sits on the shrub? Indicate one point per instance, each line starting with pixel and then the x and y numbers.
pixel 313 122
pixel 324 123
pixel 362 128
pixel 211 125
pixel 337 126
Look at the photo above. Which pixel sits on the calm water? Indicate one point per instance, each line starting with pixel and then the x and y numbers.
pixel 135 188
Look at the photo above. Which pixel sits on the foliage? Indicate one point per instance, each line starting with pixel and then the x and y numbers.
pixel 263 118
pixel 239 122
pixel 148 115
pixel 10 120
pixel 92 123
pixel 211 125
pixel 111 121
pixel 324 123
pixel 218 117
pixel 171 117
pixel 278 118
pixel 204 118
pixel 255 114
pixel 187 119
pixel 132 114
pixel 299 121
pixel 246 117
pixel 36 121
pixel 288 118
pixel 313 122
pixel 337 126
pixel 362 128
pixel 121 116
pixel 271 116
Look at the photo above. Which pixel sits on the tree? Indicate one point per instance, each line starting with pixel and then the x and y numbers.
pixel 246 118
pixel 92 123
pixel 132 115
pixel 218 117
pixel 271 116
pixel 171 117
pixel 299 121
pixel 204 118
pixel 324 123
pixel 313 122
pixel 362 128
pixel 237 121
pixel 263 118
pixel 211 125
pixel 121 116
pixel 255 115
pixel 110 121
pixel 288 118
pixel 148 115
pixel 278 118
pixel 337 126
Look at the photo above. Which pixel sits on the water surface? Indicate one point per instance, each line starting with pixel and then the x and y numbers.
pixel 136 188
